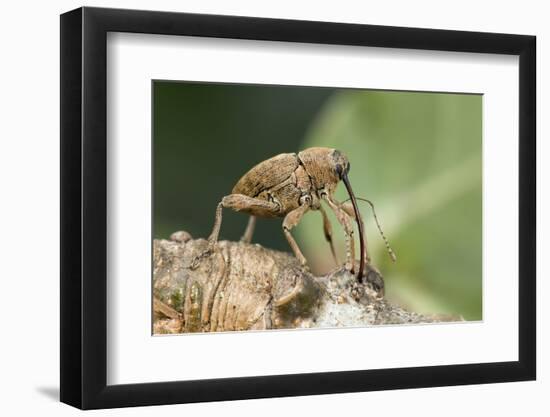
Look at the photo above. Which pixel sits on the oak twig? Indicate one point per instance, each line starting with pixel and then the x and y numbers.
pixel 243 286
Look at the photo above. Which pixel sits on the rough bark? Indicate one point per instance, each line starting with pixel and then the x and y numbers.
pixel 244 286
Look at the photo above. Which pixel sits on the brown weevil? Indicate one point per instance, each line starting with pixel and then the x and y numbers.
pixel 288 185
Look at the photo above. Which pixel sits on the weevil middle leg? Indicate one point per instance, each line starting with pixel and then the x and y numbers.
pixel 290 221
pixel 327 229
pixel 249 231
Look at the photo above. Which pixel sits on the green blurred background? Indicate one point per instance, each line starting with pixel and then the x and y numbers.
pixel 416 156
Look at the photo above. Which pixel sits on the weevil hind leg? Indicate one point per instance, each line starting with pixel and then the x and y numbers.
pixel 242 203
pixel 327 229
pixel 290 221
pixel 249 231
pixel 236 202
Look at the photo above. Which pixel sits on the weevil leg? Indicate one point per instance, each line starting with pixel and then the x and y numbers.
pixel 290 221
pixel 236 202
pixel 348 208
pixel 345 220
pixel 249 231
pixel 327 229
pixel 245 204
pixel 213 238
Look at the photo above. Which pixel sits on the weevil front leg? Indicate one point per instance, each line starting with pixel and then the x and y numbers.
pixel 345 220
pixel 249 231
pixel 290 221
pixel 348 208
pixel 236 202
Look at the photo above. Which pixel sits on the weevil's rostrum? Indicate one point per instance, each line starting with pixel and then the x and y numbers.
pixel 288 185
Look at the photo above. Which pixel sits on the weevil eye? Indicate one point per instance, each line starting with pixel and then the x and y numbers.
pixel 342 170
pixel 340 163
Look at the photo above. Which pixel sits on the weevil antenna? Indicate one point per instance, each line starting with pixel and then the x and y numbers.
pixel 388 247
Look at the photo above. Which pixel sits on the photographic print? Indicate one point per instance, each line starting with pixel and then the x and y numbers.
pixel 289 207
pixel 329 186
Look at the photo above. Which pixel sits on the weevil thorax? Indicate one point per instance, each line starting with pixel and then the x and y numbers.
pixel 324 166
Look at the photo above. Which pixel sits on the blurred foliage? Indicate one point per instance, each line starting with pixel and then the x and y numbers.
pixel 417 156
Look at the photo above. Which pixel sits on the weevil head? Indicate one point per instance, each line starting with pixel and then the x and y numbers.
pixel 326 168
pixel 340 164
pixel 342 167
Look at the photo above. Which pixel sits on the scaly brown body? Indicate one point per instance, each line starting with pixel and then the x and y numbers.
pixel 288 185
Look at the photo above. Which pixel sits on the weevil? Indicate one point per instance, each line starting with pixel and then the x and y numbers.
pixel 290 184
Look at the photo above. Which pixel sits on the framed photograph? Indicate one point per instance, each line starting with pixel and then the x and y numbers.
pixel 257 208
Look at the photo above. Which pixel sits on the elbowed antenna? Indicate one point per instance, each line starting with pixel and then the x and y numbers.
pixel 388 247
pixel 359 221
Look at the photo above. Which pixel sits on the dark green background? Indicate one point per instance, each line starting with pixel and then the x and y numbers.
pixel 417 156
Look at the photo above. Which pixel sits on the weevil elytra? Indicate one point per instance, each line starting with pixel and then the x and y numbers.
pixel 288 185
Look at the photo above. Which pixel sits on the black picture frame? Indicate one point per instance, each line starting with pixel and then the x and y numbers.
pixel 84 207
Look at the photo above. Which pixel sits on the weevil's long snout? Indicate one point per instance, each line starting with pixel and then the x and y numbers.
pixel 359 221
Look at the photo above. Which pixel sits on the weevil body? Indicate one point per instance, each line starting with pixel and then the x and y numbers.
pixel 289 185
